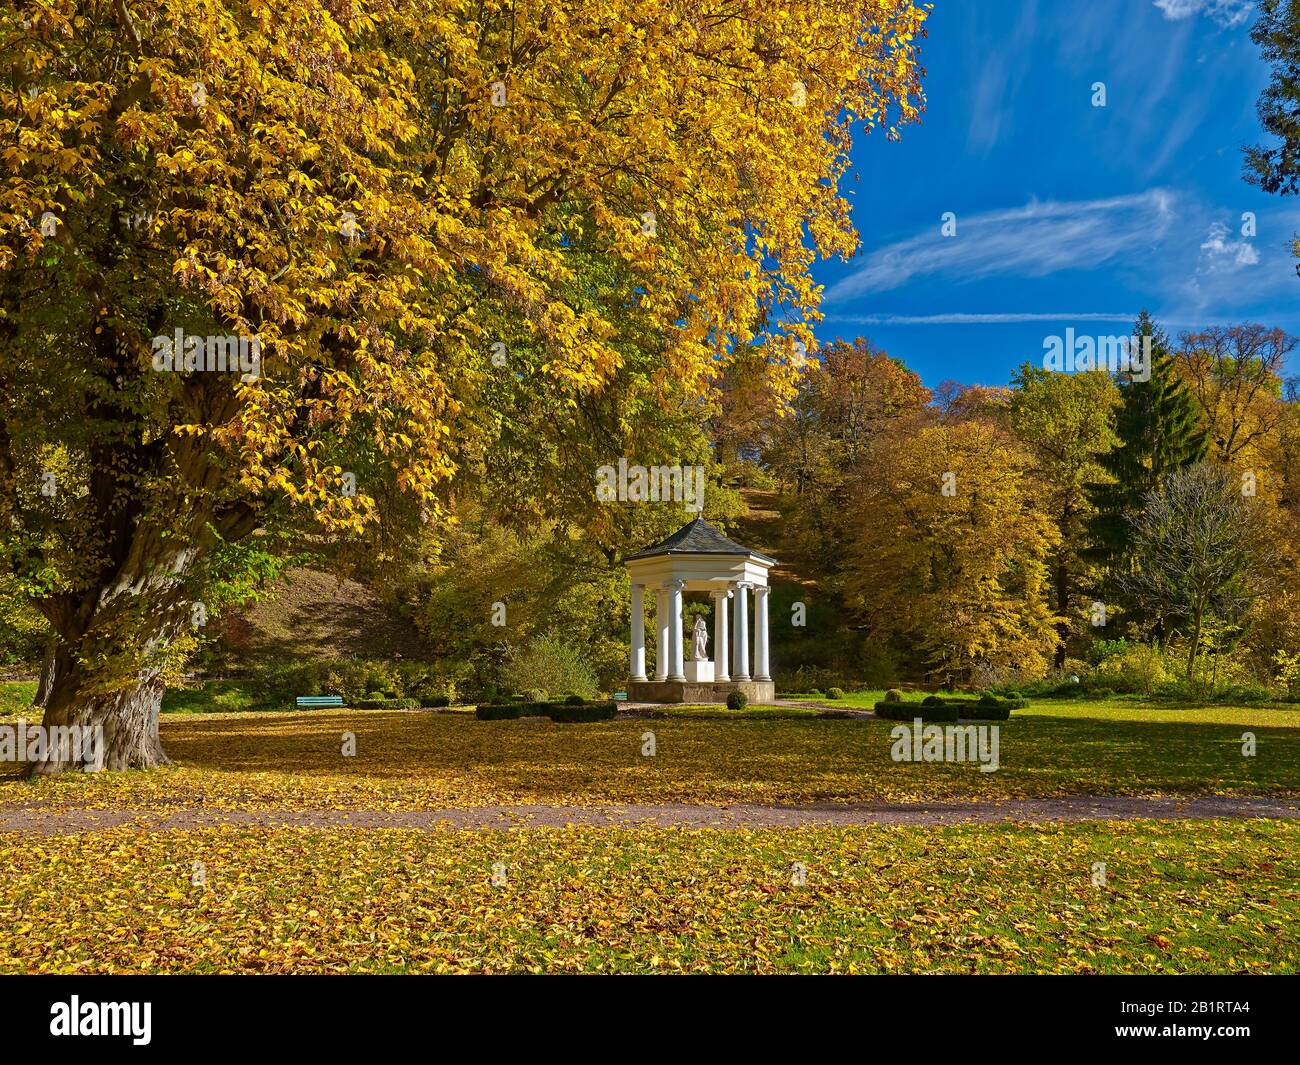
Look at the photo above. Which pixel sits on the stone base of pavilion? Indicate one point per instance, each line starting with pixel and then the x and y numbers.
pixel 677 691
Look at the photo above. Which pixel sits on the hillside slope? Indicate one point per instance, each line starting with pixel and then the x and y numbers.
pixel 318 615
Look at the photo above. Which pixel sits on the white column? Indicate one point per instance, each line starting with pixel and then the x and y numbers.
pixel 638 632
pixel 662 650
pixel 720 648
pixel 760 633
pixel 740 641
pixel 675 623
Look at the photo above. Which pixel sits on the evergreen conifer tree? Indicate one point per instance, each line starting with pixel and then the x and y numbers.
pixel 1159 431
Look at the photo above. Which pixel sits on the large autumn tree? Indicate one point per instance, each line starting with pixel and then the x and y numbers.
pixel 949 550
pixel 398 200
pixel 1068 422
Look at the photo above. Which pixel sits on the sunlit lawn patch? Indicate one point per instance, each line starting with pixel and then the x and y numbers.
pixel 16 698
pixel 216 696
pixel 1210 896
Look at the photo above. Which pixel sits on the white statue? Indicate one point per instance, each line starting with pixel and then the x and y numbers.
pixel 700 645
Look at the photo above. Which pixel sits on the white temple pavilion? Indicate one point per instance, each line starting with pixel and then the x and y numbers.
pixel 698 558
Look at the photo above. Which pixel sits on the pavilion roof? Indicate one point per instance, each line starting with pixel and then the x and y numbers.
pixel 698 538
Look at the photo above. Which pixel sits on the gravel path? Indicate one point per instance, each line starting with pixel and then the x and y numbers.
pixel 45 821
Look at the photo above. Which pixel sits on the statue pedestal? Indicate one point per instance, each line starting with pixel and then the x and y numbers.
pixel 699 672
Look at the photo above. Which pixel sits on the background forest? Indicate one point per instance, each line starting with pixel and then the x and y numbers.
pixel 1140 536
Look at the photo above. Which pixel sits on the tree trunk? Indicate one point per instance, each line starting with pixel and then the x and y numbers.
pixel 106 674
pixel 123 727
pixel 1195 648
pixel 48 668
pixel 1063 610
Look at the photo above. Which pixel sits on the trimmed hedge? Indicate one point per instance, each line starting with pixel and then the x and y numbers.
pixel 892 711
pixel 982 711
pixel 834 693
pixel 499 711
pixel 737 700
pixel 387 704
pixel 950 708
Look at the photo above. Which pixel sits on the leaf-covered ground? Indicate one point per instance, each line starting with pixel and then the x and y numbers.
pixel 416 760
pixel 1209 896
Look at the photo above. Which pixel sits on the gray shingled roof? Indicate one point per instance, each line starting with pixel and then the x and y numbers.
pixel 698 538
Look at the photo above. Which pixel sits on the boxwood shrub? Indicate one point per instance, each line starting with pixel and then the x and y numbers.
pixel 834 693
pixel 737 700
pixel 387 704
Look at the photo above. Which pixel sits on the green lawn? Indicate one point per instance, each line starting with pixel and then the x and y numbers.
pixel 1213 896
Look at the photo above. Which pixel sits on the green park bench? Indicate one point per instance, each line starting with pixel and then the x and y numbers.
pixel 314 702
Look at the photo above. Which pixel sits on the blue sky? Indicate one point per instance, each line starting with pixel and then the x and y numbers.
pixel 1067 214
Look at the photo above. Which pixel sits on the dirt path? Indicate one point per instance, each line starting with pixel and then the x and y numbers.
pixel 40 821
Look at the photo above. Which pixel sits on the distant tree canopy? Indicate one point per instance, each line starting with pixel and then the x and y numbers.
pixel 994 532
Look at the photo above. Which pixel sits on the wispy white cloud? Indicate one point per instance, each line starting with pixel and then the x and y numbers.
pixel 1227 13
pixel 999 81
pixel 980 319
pixel 1188 121
pixel 1030 241
pixel 1218 252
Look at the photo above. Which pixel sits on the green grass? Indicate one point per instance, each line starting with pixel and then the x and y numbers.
pixel 216 697
pixel 16 698
pixel 211 698
pixel 1204 897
